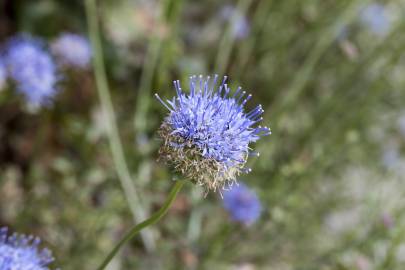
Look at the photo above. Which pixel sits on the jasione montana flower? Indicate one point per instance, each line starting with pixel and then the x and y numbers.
pixel 72 50
pixel 242 204
pixel 20 252
pixel 32 68
pixel 207 133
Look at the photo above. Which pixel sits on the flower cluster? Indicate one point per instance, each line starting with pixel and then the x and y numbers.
pixel 32 69
pixel 72 50
pixel 207 132
pixel 242 204
pixel 20 252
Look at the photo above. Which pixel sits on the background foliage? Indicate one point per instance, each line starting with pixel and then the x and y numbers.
pixel 330 177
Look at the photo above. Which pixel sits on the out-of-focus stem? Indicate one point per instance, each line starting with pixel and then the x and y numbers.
pixel 304 73
pixel 112 129
pixel 143 100
pixel 153 56
pixel 261 17
pixel 227 41
pixel 150 221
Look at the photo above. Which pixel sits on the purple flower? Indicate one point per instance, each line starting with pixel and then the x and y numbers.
pixel 242 204
pixel 240 26
pixel 72 50
pixel 401 124
pixel 207 132
pixel 391 156
pixel 375 18
pixel 20 252
pixel 32 69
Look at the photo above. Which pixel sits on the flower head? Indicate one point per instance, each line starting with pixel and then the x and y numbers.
pixel 240 26
pixel 207 132
pixel 375 18
pixel 242 204
pixel 72 50
pixel 20 252
pixel 401 124
pixel 391 157
pixel 32 69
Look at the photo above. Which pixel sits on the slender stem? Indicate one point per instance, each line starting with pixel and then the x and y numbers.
pixel 143 100
pixel 261 18
pixel 228 40
pixel 153 56
pixel 285 101
pixel 303 75
pixel 150 221
pixel 114 139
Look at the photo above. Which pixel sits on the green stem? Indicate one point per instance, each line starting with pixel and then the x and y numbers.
pixel 168 15
pixel 261 18
pixel 114 139
pixel 150 221
pixel 143 100
pixel 227 42
pixel 304 74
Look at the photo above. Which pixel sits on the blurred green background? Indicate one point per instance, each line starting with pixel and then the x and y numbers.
pixel 330 177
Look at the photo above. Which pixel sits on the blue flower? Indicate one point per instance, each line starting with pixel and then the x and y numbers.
pixel 242 204
pixel 72 50
pixel 3 75
pixel 20 252
pixel 207 132
pixel 391 157
pixel 374 16
pixel 401 124
pixel 240 26
pixel 32 69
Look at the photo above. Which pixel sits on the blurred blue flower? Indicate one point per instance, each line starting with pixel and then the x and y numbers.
pixel 3 75
pixel 242 204
pixel 401 124
pixel 72 50
pixel 32 68
pixel 207 132
pixel 240 26
pixel 374 16
pixel 20 252
pixel 391 158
